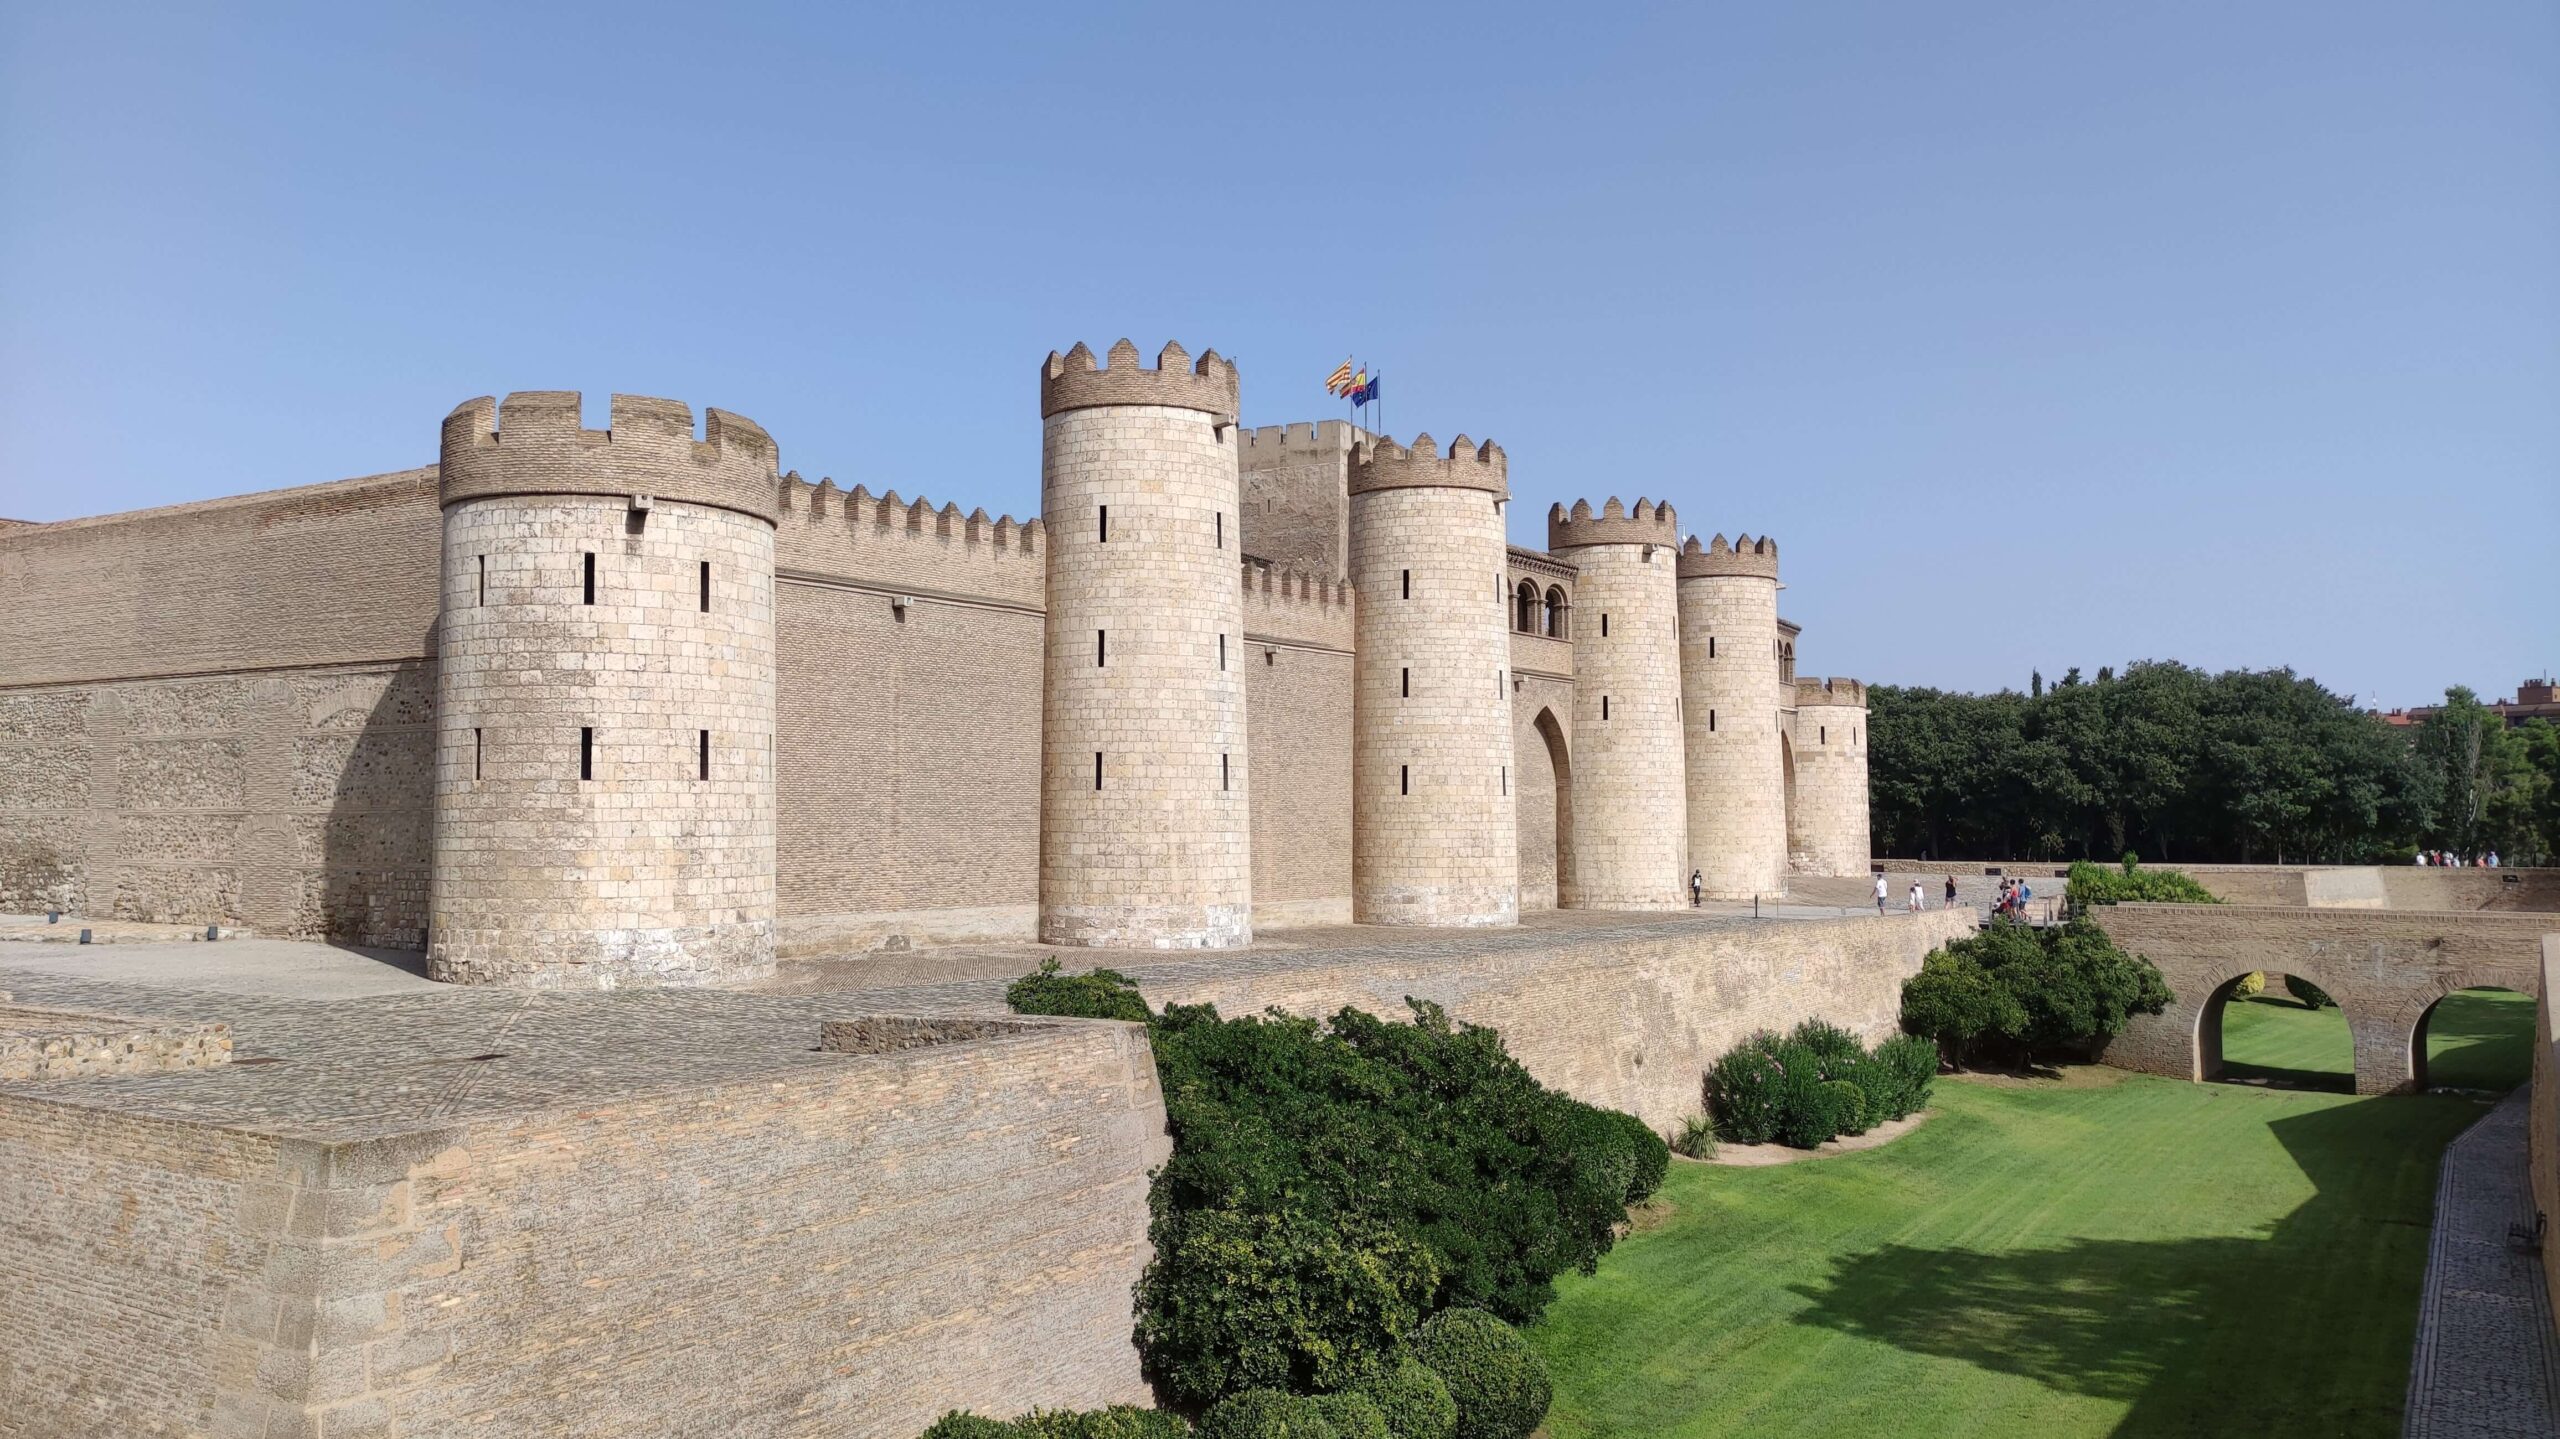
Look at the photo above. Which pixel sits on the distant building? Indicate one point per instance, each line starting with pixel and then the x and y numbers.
pixel 2535 699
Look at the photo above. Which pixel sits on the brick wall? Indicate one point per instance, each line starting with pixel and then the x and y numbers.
pixel 292 802
pixel 325 574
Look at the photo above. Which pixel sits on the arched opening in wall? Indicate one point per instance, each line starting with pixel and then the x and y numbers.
pixel 2478 1039
pixel 2274 1031
pixel 1786 663
pixel 1543 806
pixel 1787 771
pixel 1524 617
pixel 1555 617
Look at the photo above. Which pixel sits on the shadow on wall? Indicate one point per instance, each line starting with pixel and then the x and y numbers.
pixel 369 887
pixel 2149 1322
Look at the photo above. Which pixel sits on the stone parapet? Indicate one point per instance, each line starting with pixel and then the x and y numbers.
pixel 1071 382
pixel 1852 693
pixel 1386 465
pixel 534 444
pixel 1744 557
pixel 1648 524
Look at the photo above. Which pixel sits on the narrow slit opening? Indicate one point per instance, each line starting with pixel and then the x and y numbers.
pixel 1102 531
pixel 1404 779
pixel 591 577
pixel 475 752
pixel 587 752
pixel 1097 769
pixel 702 758
pixel 706 587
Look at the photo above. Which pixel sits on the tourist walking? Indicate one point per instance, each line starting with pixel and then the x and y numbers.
pixel 1915 896
pixel 1697 889
pixel 1880 894
pixel 1951 891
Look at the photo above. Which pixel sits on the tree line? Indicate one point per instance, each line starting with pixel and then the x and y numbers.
pixel 2169 762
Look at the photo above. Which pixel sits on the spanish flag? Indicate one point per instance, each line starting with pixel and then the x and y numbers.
pixel 1339 380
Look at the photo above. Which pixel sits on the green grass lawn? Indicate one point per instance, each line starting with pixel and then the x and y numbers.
pixel 2476 1039
pixel 2103 1254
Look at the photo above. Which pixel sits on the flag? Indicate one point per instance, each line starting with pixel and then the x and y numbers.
pixel 1339 380
pixel 1367 391
pixel 1352 386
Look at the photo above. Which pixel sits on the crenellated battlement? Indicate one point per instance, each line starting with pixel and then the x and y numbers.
pixel 1648 524
pixel 1833 691
pixel 534 443
pixel 1382 464
pixel 859 509
pixel 1756 559
pixel 1272 582
pixel 1273 444
pixel 1072 382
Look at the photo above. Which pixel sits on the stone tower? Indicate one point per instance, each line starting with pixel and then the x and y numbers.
pixel 1144 829
pixel 1630 806
pixel 1827 829
pixel 1728 717
pixel 1433 838
pixel 605 706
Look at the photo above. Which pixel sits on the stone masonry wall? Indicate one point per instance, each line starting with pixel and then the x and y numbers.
pixel 1827 812
pixel 843 1251
pixel 1627 1017
pixel 1542 775
pixel 1294 511
pixel 292 802
pixel 2542 1143
pixel 1630 802
pixel 605 790
pixel 1434 838
pixel 1737 808
pixel 1145 784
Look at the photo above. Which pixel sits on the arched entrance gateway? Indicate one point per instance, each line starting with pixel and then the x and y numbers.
pixel 1545 808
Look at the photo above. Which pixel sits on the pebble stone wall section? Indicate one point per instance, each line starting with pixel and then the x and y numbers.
pixel 1728 669
pixel 582 837
pixel 1630 803
pixel 1827 814
pixel 1434 837
pixel 1145 830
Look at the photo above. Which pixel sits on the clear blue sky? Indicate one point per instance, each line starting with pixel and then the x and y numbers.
pixel 2039 334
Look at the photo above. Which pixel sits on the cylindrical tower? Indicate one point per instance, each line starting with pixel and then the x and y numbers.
pixel 1630 806
pixel 1728 671
pixel 1144 831
pixel 1827 825
pixel 1433 837
pixel 605 697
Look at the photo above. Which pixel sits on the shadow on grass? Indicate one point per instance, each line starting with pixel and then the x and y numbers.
pixel 2269 1076
pixel 2163 1325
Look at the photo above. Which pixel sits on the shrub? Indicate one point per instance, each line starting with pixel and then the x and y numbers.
pixel 1120 1421
pixel 1496 1380
pixel 2248 984
pixel 1265 1414
pixel 961 1424
pixel 1353 1415
pixel 2096 884
pixel 2013 992
pixel 1102 994
pixel 1652 1156
pixel 1696 1139
pixel 1413 1401
pixel 1333 1184
pixel 2311 995
pixel 1274 1298
pixel 1839 1057
pixel 1908 1066
pixel 1749 1091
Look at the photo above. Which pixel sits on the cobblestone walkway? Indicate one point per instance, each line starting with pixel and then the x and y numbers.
pixel 2487 1363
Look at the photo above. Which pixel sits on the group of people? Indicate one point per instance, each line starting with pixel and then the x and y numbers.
pixel 2447 859
pixel 2014 895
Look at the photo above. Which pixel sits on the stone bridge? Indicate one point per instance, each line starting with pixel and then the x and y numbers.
pixel 2386 968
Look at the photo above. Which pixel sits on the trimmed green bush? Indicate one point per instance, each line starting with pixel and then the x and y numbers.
pixel 1101 994
pixel 1413 1401
pixel 1265 1414
pixel 2310 994
pixel 1652 1156
pixel 1274 1298
pixel 1696 1139
pixel 961 1424
pixel 1353 1415
pixel 1908 1065
pixel 1120 1421
pixel 2132 884
pixel 2014 993
pixel 1750 1091
pixel 1497 1381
